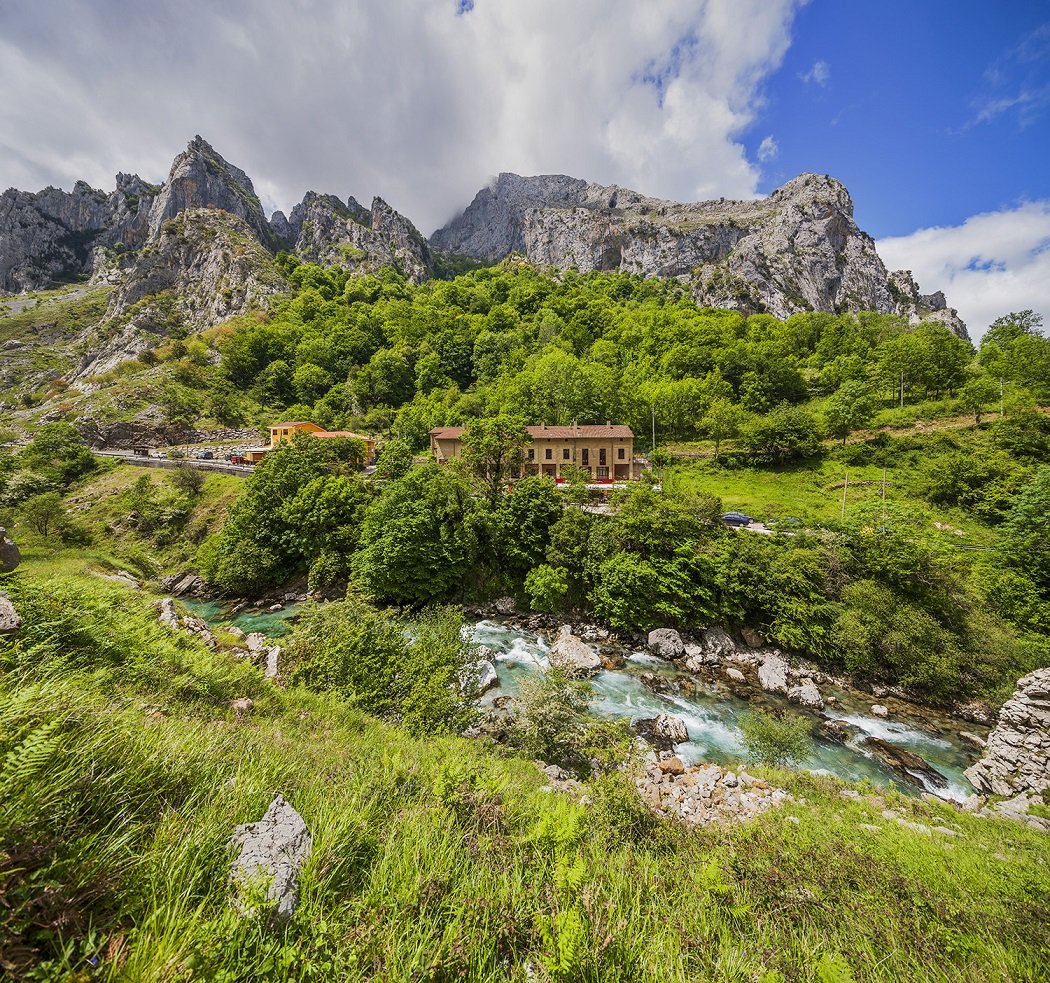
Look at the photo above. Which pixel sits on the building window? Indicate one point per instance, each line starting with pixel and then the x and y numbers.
pixel 619 453
pixel 603 472
pixel 601 456
pixel 586 456
pixel 548 454
pixel 532 454
pixel 565 453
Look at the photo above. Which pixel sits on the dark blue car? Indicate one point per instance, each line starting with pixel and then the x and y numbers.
pixel 737 519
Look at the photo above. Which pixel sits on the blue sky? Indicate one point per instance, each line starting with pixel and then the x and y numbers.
pixel 929 111
pixel 935 114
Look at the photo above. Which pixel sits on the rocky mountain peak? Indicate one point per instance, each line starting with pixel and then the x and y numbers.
pixel 797 250
pixel 201 178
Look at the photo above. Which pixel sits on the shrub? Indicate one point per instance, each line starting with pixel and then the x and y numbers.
pixel 775 739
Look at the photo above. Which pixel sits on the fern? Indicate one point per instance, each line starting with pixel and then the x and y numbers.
pixel 833 968
pixel 26 758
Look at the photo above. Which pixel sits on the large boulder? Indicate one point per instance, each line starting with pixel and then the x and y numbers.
pixel 478 677
pixel 1017 758
pixel 666 643
pixel 10 620
pixel 271 854
pixel 573 655
pixel 807 695
pixel 711 648
pixel 910 766
pixel 663 731
pixel 773 673
pixel 9 555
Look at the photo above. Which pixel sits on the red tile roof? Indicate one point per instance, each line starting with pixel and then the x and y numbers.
pixel 550 433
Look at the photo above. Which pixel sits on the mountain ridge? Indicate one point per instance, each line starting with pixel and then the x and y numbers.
pixel 798 249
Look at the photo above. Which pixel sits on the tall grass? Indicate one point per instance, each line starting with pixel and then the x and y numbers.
pixel 124 774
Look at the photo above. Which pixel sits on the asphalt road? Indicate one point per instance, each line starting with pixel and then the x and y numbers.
pixel 224 467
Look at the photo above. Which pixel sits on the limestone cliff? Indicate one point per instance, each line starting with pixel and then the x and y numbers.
pixel 327 231
pixel 56 236
pixel 204 267
pixel 797 250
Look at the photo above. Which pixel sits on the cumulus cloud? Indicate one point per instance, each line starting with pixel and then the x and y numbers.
pixel 768 150
pixel 989 265
pixel 818 74
pixel 420 101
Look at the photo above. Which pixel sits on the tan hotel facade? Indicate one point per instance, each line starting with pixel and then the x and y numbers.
pixel 605 452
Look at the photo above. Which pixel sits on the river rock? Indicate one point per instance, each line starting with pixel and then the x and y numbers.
pixel 734 675
pixel 666 643
pixel 572 655
pixel 878 710
pixel 168 615
pixel 478 677
pixel 273 654
pixel 1017 758
pixel 663 731
pixel 712 647
pixel 752 639
pixel 506 606
pixel 839 731
pixel 183 584
pixel 976 712
pixel 905 763
pixel 773 673
pixel 10 620
pixel 255 641
pixel 10 557
pixel 972 740
pixel 272 851
pixel 806 694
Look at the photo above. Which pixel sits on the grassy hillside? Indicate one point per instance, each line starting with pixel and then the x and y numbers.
pixel 125 772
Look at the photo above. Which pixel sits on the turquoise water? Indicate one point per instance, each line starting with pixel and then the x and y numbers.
pixel 711 715
pixel 271 623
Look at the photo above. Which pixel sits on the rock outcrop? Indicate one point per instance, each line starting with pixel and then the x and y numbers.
pixel 204 267
pixel 573 655
pixel 202 178
pixel 329 232
pixel 10 556
pixel 797 250
pixel 271 855
pixel 1017 758
pixel 10 619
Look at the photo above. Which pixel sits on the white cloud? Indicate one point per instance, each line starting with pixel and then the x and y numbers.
pixel 768 149
pixel 989 265
pixel 420 101
pixel 819 73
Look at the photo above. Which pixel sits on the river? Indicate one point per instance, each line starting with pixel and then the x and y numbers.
pixel 710 712
pixel 711 715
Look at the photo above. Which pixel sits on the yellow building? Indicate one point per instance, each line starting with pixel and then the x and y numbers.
pixel 285 433
pixel 606 452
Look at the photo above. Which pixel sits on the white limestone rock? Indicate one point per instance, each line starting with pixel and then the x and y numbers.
pixel 1017 756
pixel 572 655
pixel 666 643
pixel 271 855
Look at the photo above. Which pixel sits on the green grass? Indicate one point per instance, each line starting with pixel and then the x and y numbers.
pixel 814 493
pixel 55 310
pixel 125 772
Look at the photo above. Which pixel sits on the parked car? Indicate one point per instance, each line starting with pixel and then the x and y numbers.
pixel 203 455
pixel 737 519
pixel 236 459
